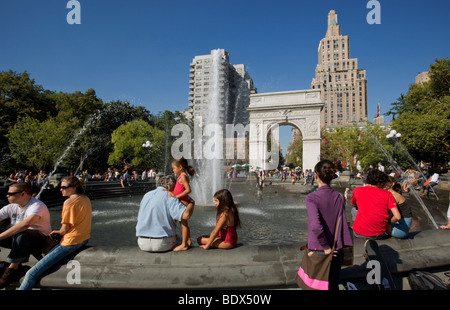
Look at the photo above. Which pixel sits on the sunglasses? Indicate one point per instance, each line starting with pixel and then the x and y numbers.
pixel 64 187
pixel 12 194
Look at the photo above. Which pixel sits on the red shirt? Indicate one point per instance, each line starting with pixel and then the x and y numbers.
pixel 373 204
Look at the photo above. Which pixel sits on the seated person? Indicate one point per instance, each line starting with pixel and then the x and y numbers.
pixel 30 224
pixel 373 204
pixel 432 181
pixel 156 227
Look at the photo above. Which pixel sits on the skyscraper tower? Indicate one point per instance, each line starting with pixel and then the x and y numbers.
pixel 343 86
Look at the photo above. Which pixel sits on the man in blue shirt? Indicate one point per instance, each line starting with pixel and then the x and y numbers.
pixel 158 212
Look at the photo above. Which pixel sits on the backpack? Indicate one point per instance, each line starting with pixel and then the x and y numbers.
pixel 422 280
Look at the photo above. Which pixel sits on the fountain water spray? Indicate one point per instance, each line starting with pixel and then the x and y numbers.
pixel 88 123
pixel 210 173
pixel 400 172
pixel 405 151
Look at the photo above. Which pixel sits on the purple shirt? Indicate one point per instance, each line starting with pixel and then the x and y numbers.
pixel 324 207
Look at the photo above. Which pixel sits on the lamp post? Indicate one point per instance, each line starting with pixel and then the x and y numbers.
pixel 147 144
pixel 393 135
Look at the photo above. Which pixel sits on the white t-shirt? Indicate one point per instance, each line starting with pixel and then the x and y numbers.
pixel 17 214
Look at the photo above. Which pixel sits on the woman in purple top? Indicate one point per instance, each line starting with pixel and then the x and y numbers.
pixel 324 207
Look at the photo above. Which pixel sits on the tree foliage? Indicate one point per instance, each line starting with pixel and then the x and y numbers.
pixel 350 145
pixel 128 140
pixel 294 153
pixel 20 96
pixel 36 143
pixel 423 116
pixel 38 126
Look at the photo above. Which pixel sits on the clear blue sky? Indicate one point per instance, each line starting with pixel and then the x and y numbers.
pixel 139 51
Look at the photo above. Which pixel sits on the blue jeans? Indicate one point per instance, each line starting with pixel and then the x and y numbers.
pixel 400 229
pixel 54 256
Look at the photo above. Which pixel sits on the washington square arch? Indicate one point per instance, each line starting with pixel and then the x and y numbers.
pixel 268 111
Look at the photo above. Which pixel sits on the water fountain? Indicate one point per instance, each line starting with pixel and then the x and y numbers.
pixel 209 164
pixel 405 151
pixel 399 170
pixel 87 124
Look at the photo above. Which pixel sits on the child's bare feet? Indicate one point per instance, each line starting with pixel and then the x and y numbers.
pixel 180 248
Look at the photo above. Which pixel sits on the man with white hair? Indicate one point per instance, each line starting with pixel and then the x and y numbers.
pixel 158 212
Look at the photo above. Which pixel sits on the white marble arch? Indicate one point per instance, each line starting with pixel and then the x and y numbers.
pixel 299 108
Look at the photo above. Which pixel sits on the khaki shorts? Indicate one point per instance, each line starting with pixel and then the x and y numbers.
pixel 157 244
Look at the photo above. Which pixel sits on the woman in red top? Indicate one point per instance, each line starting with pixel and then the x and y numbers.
pixel 373 204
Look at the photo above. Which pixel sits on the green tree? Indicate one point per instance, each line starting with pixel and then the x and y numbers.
pixel 424 116
pixel 38 144
pixel 94 146
pixel 128 140
pixel 341 144
pixel 294 153
pixel 372 146
pixel 20 96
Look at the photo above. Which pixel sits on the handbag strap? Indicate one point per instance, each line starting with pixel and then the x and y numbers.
pixel 338 224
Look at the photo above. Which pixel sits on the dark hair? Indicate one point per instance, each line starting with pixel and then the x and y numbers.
pixel 226 202
pixel 397 188
pixel 326 171
pixel 76 182
pixel 376 177
pixel 182 162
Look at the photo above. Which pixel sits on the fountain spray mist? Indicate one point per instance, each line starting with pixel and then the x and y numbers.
pixel 210 173
pixel 87 124
pixel 400 172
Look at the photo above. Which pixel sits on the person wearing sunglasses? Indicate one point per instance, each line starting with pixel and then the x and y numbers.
pixel 27 233
pixel 74 232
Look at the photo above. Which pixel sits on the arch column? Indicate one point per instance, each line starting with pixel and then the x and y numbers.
pixel 267 111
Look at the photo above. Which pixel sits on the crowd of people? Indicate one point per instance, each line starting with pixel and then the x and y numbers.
pixel 379 209
pixel 41 179
pixel 29 231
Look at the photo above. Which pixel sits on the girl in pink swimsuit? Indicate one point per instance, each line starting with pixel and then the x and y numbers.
pixel 181 191
pixel 224 235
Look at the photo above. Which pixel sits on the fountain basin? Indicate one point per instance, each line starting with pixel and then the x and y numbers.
pixel 247 266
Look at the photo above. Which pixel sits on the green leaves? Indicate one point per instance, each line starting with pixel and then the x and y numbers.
pixel 38 125
pixel 128 140
pixel 424 116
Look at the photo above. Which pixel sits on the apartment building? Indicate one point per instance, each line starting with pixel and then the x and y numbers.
pixel 236 87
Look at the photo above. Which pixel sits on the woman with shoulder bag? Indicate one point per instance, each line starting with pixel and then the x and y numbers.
pixel 328 233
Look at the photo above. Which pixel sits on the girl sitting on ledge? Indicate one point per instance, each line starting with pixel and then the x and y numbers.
pixel 224 235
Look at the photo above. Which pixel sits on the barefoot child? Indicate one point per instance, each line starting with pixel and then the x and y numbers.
pixel 181 191
pixel 224 235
